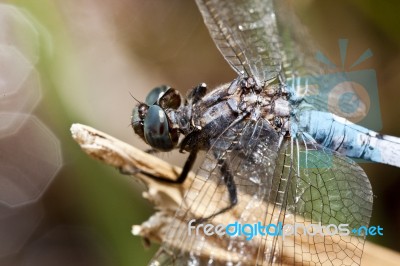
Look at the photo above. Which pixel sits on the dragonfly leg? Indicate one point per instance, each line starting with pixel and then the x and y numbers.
pixel 197 92
pixel 230 185
pixel 187 167
pixel 232 191
pixel 182 176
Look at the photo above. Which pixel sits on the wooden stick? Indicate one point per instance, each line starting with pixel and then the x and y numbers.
pixel 167 197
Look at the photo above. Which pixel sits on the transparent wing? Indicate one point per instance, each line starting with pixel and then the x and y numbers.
pixel 317 190
pixel 311 77
pixel 265 39
pixel 279 181
pixel 246 34
pixel 248 153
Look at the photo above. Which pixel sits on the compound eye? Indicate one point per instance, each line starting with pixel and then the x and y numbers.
pixel 156 129
pixel 156 94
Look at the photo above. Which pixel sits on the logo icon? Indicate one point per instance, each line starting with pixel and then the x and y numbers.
pixel 344 91
pixel 348 93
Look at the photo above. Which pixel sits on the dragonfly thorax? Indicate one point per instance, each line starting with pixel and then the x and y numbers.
pixel 241 99
pixel 161 121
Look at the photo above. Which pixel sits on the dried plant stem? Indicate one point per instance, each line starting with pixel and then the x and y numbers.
pixel 166 196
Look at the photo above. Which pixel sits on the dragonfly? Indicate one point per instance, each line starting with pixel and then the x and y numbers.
pixel 276 150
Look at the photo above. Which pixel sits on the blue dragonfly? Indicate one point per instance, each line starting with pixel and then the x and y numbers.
pixel 276 148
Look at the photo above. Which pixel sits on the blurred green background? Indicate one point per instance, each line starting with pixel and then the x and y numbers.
pixel 96 52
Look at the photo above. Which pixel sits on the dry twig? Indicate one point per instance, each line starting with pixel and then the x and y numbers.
pixel 166 196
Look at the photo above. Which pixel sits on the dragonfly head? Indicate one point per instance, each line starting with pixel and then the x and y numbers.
pixel 150 119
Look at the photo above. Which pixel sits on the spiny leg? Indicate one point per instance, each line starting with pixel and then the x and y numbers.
pixel 197 93
pixel 182 177
pixel 187 167
pixel 232 191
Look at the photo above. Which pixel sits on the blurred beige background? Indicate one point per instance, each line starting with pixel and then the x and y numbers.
pixel 96 53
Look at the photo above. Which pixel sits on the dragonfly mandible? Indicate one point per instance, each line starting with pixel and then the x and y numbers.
pixel 276 149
